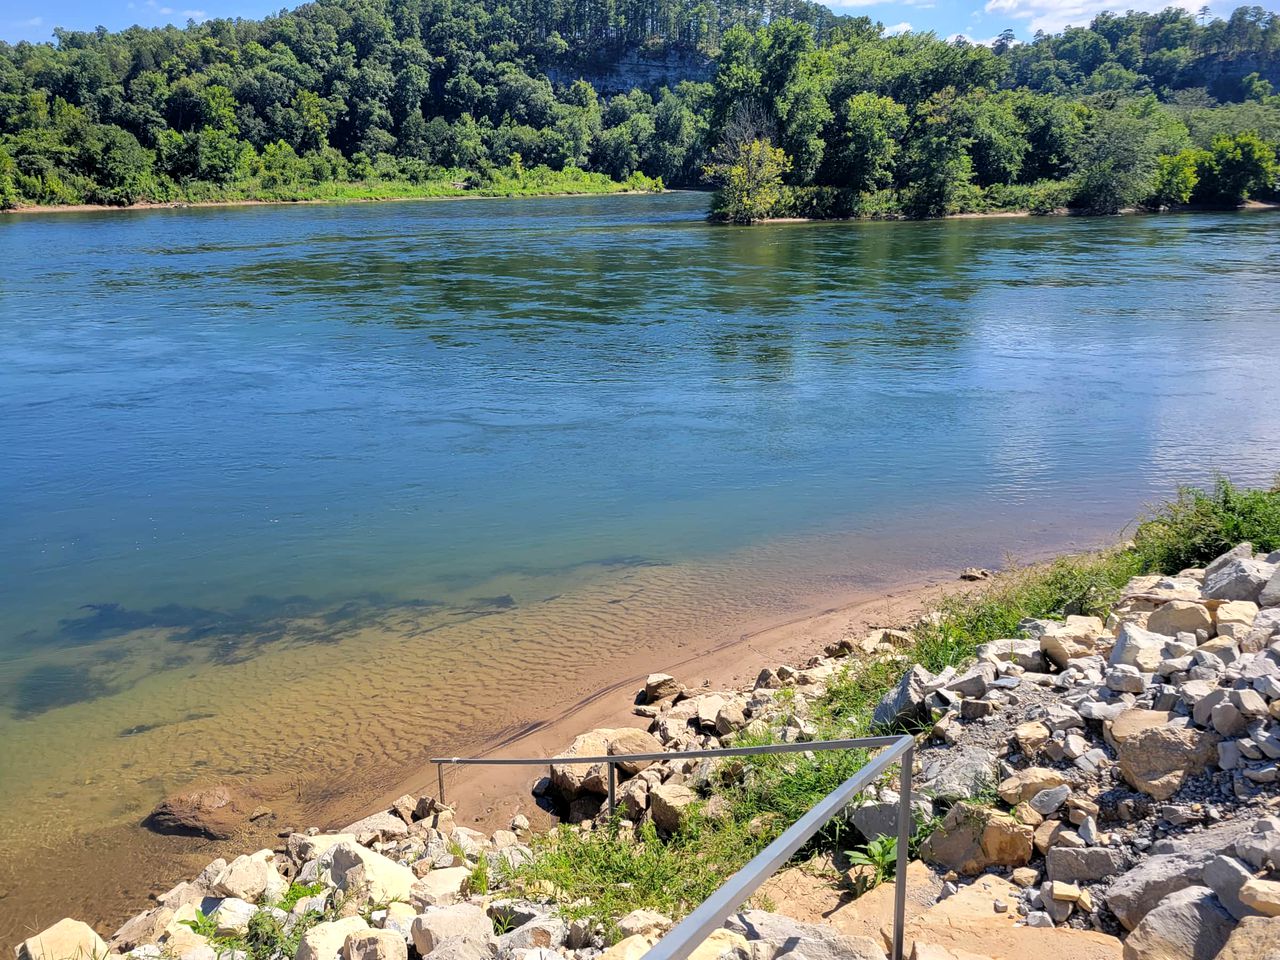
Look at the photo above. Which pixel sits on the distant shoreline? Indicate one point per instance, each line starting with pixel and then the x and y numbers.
pixel 1248 205
pixel 312 201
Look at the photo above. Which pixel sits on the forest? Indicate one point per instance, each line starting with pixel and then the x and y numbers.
pixel 785 109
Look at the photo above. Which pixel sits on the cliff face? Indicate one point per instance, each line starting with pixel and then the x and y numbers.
pixel 632 69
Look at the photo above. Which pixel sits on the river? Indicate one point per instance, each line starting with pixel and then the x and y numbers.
pixel 293 495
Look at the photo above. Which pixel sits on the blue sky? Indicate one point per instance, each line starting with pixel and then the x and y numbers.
pixel 977 19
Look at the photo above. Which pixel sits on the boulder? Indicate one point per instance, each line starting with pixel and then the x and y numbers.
pixel 325 940
pixel 631 948
pixel 356 868
pixel 463 921
pixel 546 933
pixel 382 826
pixel 572 779
pixel 631 740
pixel 439 887
pixel 1179 616
pixel 1138 648
pixel 966 924
pixel 1156 758
pixel 303 847
pixel 973 838
pixel 375 945
pixel 660 686
pixel 1085 864
pixel 1270 593
pixel 1187 925
pixel 648 923
pixel 1025 784
pixel 774 936
pixel 459 948
pixel 1076 637
pixel 207 812
pixel 146 927
pixel 1256 938
pixel 1136 893
pixel 65 940
pixel 669 804
pixel 1241 579
pixel 959 774
pixel 722 944
pixel 1225 876
pixel 906 701
pixel 232 916
pixel 1262 896
pixel 1023 652
pixel 249 877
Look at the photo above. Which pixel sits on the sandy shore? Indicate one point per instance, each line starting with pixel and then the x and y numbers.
pixel 490 796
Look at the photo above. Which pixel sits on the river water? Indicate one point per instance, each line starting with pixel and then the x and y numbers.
pixel 291 495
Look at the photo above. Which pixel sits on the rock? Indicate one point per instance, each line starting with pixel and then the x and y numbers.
pixel 146 927
pixel 1179 616
pixel 1260 848
pixel 669 805
pixel 1123 678
pixel 375 945
pixel 905 701
pixel 659 686
pixel 248 877
pixel 722 944
pixel 325 940
pixel 439 887
pixel 1024 653
pixel 1256 938
pixel 1270 593
pixel 1225 876
pixel 383 826
pixel 1134 894
pixel 632 948
pixel 1241 551
pixel 626 740
pixel 66 939
pixel 545 933
pixel 730 718
pixel 959 774
pixel 1262 896
pixel 459 948
pixel 1031 736
pixel 647 923
pixel 1076 637
pixel 232 916
pixel 207 812
pixel 462 921
pixel 357 869
pixel 968 925
pixel 1240 579
pixel 1025 784
pixel 1025 876
pixel 1085 864
pixel 972 682
pixel 1156 758
pixel 775 937
pixel 303 847
pixel 973 838
pixel 633 798
pixel 1138 648
pixel 1187 925
pixel 1047 801
pixel 572 779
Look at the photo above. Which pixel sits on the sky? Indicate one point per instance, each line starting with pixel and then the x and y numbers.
pixel 977 20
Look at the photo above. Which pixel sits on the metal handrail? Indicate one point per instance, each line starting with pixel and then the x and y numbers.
pixel 685 936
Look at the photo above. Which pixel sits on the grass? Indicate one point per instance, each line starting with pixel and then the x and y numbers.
pixel 608 872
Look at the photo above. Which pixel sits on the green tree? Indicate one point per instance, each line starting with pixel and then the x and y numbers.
pixel 865 141
pixel 750 186
pixel 939 171
pixel 1175 178
pixel 1235 168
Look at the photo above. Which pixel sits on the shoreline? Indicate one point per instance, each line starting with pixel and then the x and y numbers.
pixel 488 797
pixel 315 201
pixel 1249 206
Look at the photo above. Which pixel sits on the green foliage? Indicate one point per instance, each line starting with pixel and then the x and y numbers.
pixel 880 855
pixel 1175 178
pixel 1199 525
pixel 1235 168
pixel 299 891
pixel 750 186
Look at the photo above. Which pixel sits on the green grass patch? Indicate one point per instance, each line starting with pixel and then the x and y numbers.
pixel 1198 525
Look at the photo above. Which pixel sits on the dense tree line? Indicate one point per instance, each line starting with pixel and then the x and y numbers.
pixel 806 113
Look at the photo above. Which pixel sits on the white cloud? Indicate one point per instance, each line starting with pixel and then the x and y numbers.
pixel 1052 15
pixel 195 14
pixel 897 28
pixel 33 22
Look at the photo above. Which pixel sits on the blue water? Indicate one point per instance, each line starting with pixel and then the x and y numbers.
pixel 233 409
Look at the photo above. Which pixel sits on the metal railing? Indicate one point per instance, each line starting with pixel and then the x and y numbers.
pixel 682 939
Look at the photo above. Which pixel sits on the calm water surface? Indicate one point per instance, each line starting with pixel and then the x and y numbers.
pixel 243 445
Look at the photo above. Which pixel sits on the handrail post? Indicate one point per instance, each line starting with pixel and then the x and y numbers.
pixel 613 789
pixel 907 768
pixel 440 780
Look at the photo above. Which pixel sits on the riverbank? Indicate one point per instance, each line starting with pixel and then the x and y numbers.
pixel 1253 206
pixel 538 182
pixel 1109 776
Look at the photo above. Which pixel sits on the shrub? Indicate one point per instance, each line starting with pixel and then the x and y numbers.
pixel 1198 525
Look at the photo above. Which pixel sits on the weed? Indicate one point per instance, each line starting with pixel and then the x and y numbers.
pixel 880 856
